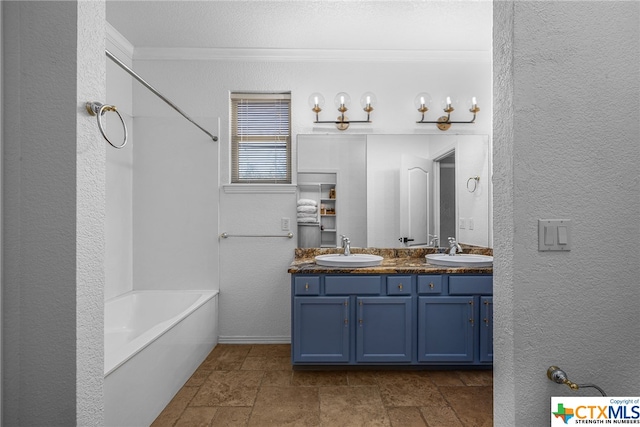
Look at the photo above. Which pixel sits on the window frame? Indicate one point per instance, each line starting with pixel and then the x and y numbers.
pixel 237 136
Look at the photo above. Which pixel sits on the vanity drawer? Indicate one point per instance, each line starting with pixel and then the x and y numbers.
pixel 399 285
pixel 470 285
pixel 349 285
pixel 307 285
pixel 431 284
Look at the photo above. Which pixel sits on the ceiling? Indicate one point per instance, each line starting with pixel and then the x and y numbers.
pixel 450 25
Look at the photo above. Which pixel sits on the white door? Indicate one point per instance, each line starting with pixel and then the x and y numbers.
pixel 415 200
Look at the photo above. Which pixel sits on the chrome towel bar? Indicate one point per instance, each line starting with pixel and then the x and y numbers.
pixel 227 235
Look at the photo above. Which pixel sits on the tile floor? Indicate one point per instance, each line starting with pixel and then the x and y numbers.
pixel 255 385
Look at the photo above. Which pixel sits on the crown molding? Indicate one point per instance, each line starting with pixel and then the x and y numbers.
pixel 309 55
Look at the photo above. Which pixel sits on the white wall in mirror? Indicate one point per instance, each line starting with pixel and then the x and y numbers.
pixel 473 199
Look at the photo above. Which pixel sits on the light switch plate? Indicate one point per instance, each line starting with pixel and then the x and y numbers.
pixel 554 235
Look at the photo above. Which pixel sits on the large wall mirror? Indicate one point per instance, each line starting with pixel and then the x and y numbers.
pixel 405 190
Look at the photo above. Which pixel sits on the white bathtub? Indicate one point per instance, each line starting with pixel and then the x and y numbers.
pixel 154 341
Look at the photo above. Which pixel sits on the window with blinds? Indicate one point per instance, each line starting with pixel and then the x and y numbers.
pixel 261 138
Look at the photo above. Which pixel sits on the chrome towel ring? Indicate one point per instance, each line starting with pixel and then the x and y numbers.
pixel 98 109
pixel 475 180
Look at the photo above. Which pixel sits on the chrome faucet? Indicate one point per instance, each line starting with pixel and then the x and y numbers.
pixel 454 247
pixel 435 241
pixel 346 245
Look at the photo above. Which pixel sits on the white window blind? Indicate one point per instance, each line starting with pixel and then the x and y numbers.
pixel 261 138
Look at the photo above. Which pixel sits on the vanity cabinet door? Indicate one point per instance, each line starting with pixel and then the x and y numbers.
pixel 383 329
pixel 446 328
pixel 321 329
pixel 486 329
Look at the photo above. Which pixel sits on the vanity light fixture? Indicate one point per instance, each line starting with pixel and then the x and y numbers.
pixel 423 100
pixel 342 102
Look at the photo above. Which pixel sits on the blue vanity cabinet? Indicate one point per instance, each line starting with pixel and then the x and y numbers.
pixel 446 328
pixel 321 329
pixel 384 329
pixel 486 329
pixel 454 319
pixel 392 319
pixel 384 332
pixel 348 319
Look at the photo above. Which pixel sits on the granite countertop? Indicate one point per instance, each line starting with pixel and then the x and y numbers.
pixel 405 261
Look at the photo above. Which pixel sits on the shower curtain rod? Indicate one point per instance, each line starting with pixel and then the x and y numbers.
pixel 155 91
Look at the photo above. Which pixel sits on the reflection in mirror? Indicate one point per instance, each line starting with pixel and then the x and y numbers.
pixel 446 207
pixel 343 158
pixel 402 190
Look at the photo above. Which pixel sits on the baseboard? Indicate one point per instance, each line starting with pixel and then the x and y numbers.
pixel 254 340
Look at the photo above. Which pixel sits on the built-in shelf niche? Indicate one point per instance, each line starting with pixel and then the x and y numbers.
pixel 321 187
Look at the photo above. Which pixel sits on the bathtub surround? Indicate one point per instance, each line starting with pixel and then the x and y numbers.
pixel 162 189
pixel 119 192
pixel 54 213
pixel 175 200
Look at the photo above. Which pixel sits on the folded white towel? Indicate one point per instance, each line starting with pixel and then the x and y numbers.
pixel 307 215
pixel 307 209
pixel 308 220
pixel 307 202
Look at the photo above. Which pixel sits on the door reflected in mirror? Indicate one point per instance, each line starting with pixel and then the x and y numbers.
pixel 416 200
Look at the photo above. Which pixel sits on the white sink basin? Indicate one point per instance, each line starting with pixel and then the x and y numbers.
pixel 354 260
pixel 460 260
